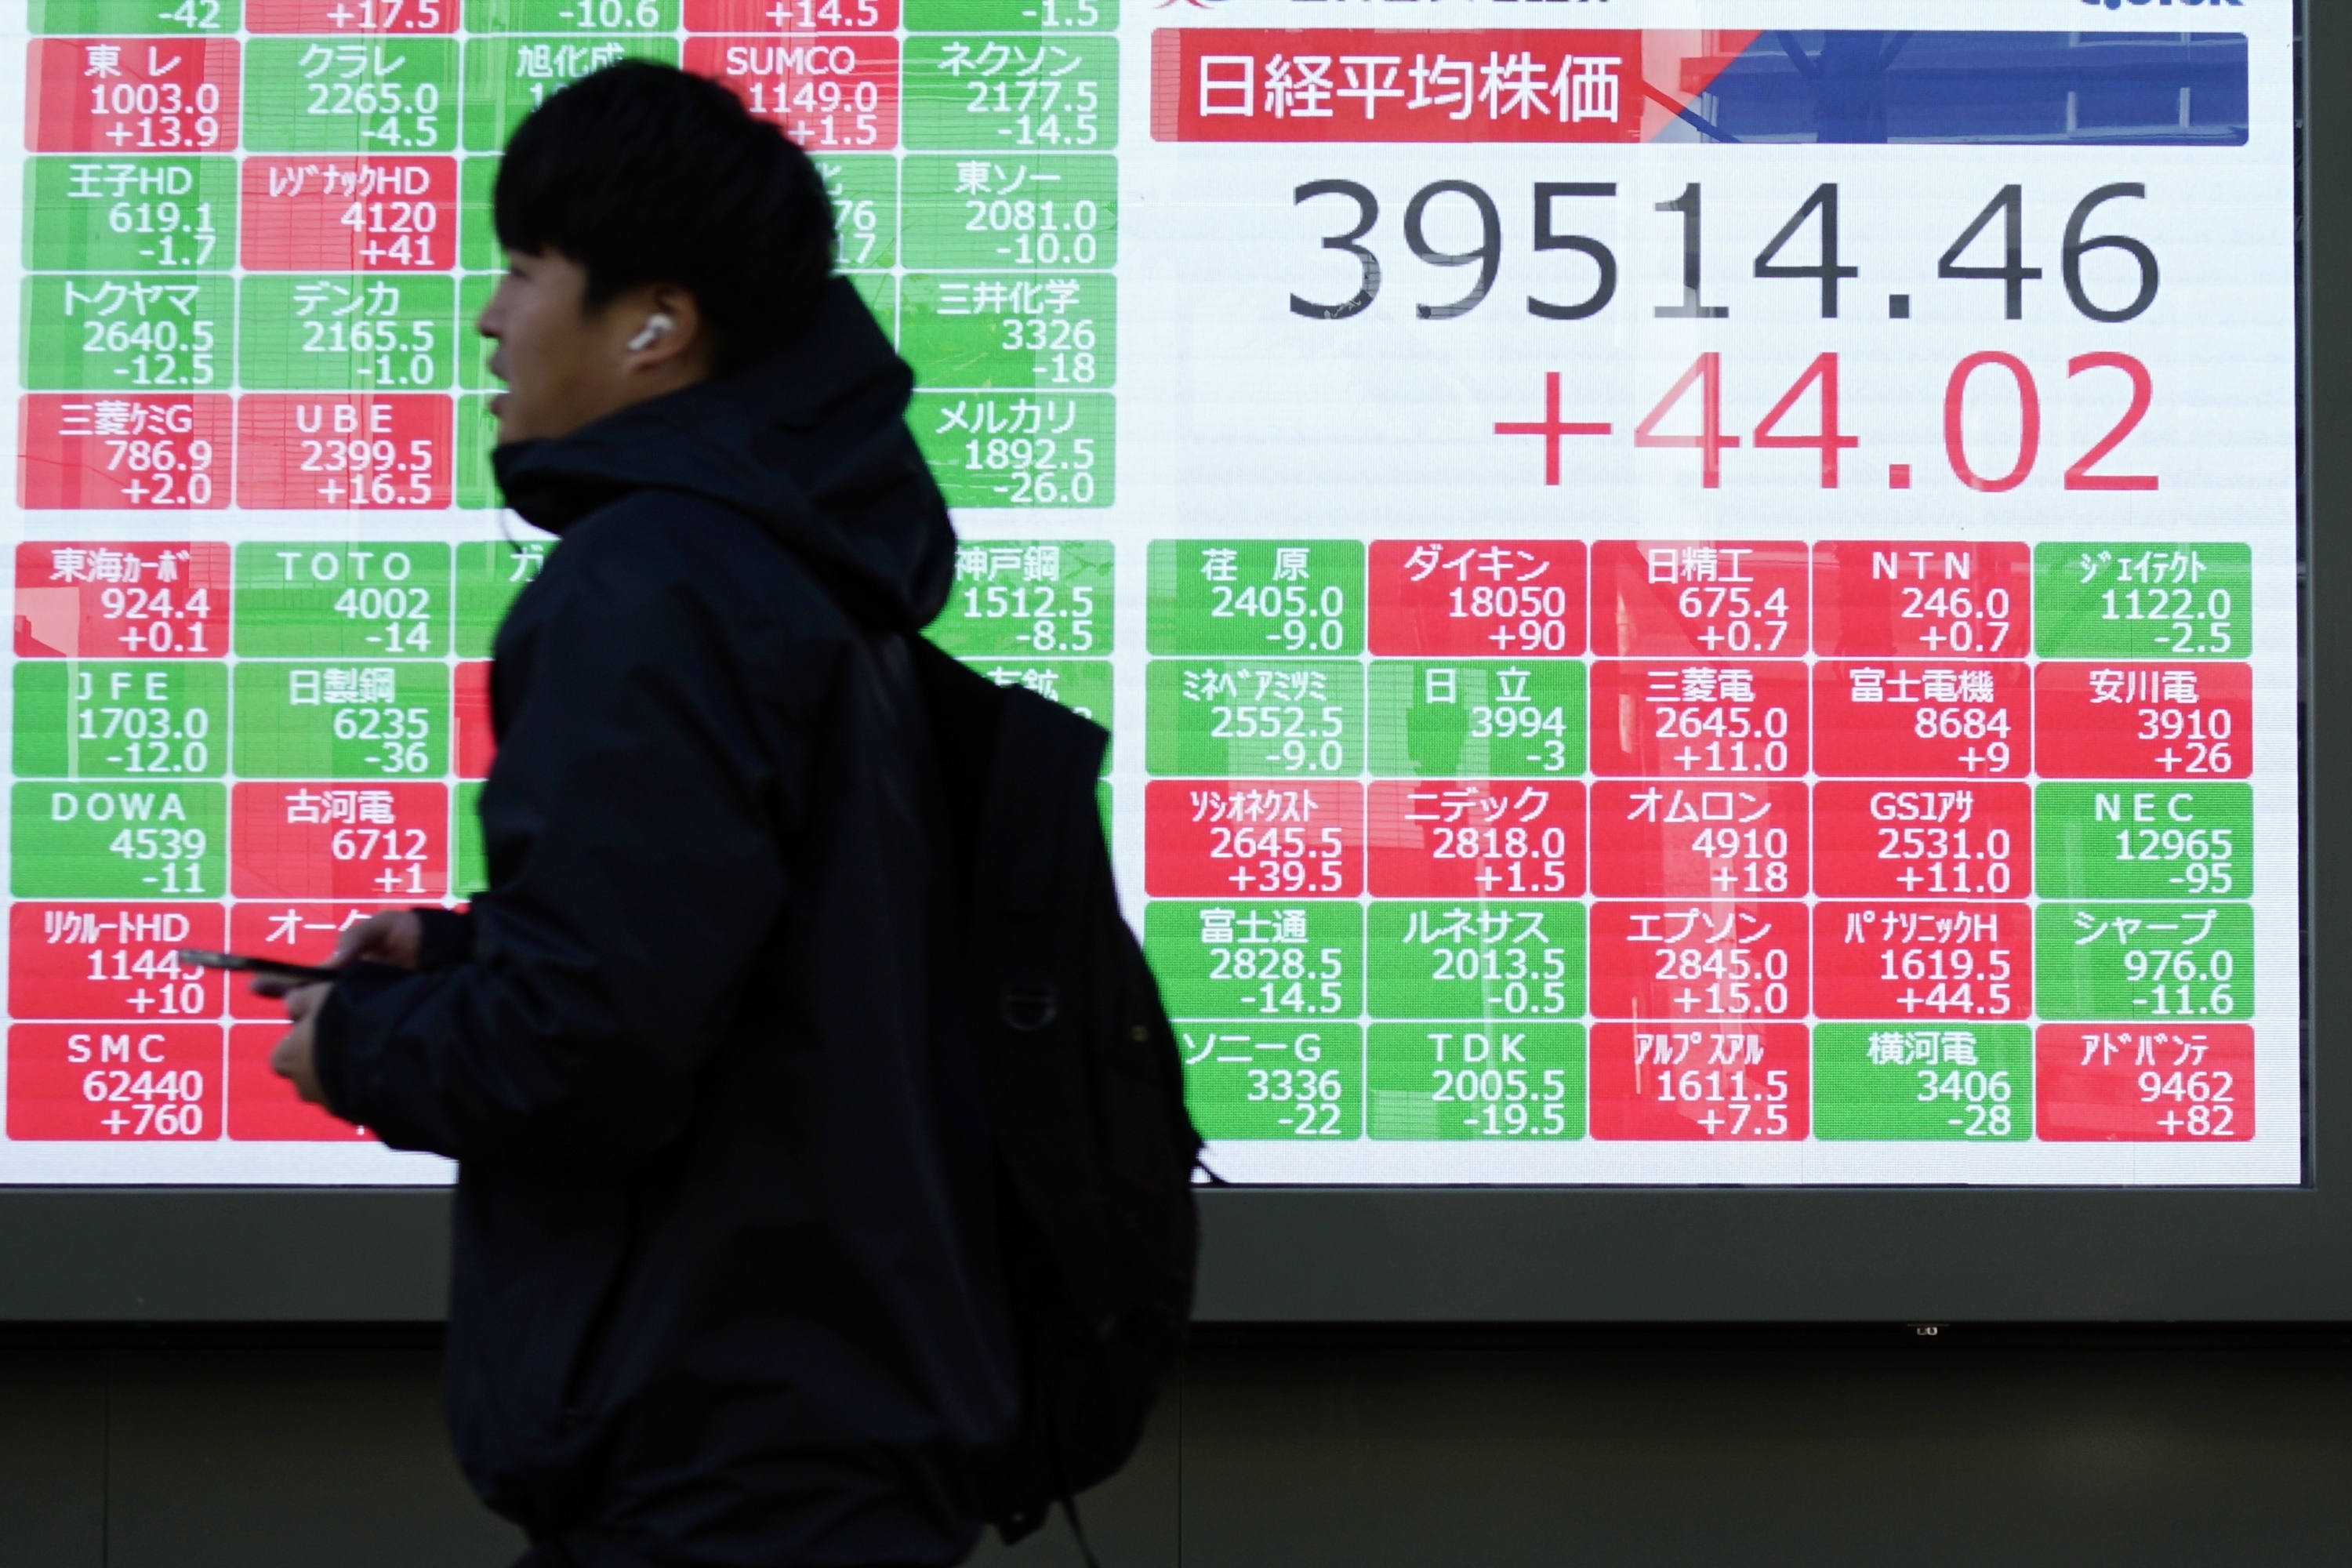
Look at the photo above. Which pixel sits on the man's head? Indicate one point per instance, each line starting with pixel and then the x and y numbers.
pixel 656 235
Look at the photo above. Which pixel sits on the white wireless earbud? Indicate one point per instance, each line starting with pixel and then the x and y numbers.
pixel 658 327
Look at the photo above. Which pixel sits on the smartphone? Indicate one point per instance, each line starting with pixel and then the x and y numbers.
pixel 203 959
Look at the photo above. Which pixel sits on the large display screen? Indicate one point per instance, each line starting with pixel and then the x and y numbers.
pixel 1683 598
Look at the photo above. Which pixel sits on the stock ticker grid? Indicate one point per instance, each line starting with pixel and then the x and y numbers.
pixel 1748 634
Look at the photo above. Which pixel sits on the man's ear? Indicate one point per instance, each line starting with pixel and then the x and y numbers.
pixel 670 335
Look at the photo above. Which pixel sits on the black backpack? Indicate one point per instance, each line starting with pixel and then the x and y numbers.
pixel 1095 1149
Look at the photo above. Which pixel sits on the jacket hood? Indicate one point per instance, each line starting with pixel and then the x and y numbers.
pixel 811 442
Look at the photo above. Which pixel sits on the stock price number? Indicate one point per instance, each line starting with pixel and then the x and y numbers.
pixel 176 852
pixel 1528 618
pixel 2199 623
pixel 2204 856
pixel 1949 861
pixel 2196 1104
pixel 2196 739
pixel 1952 977
pixel 1308 740
pixel 1964 621
pixel 148 1103
pixel 1981 1098
pixel 179 991
pixel 1985 730
pixel 404 737
pixel 1819 212
pixel 1734 1108
pixel 1277 978
pixel 1311 620
pixel 1744 860
pixel 1281 859
pixel 1729 619
pixel 2183 983
pixel 1517 981
pixel 1040 237
pixel 1519 860
pixel 185 238
pixel 1723 980
pixel 1056 625
pixel 176 471
pixel 148 621
pixel 370 472
pixel 1505 1101
pixel 405 613
pixel 153 739
pixel 1314 1095
pixel 1724 738
pixel 1034 461
pixel 157 116
pixel 1542 729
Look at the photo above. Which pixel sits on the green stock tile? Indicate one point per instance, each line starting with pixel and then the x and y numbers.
pixel 1475 962
pixel 321 721
pixel 476 485
pixel 1259 1079
pixel 97 333
pixel 337 598
pixel 351 95
pixel 1256 597
pixel 117 840
pixel 1017 450
pixel 1009 211
pixel 880 292
pixel 1904 1081
pixel 1227 960
pixel 2143 601
pixel 2143 962
pixel 90 213
pixel 471 873
pixel 1507 1082
pixel 478 235
pixel 1025 598
pixel 490 573
pixel 864 191
pixel 101 17
pixel 472 353
pixel 506 78
pixel 1009 94
pixel 571 15
pixel 1253 718
pixel 1457 718
pixel 1012 330
pixel 2143 840
pixel 1011 16
pixel 121 721
pixel 346 331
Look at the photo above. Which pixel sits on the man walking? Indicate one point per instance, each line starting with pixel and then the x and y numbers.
pixel 727 1282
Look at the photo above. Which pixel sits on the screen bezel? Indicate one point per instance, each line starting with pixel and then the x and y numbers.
pixel 1518 1254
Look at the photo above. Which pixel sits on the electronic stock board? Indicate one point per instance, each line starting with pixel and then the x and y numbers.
pixel 1684 598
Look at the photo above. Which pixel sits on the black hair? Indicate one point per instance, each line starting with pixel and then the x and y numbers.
pixel 642 173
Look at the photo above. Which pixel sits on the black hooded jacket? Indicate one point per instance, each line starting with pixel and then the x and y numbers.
pixel 725 1286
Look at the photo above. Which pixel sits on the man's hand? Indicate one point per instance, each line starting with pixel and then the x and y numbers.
pixel 394 937
pixel 295 1058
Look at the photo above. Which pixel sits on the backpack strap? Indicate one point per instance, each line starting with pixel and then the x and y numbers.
pixel 1027 829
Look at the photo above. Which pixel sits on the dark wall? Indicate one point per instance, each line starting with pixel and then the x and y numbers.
pixel 1869 1446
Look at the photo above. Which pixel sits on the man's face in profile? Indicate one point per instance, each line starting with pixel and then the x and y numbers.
pixel 547 349
pixel 565 366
